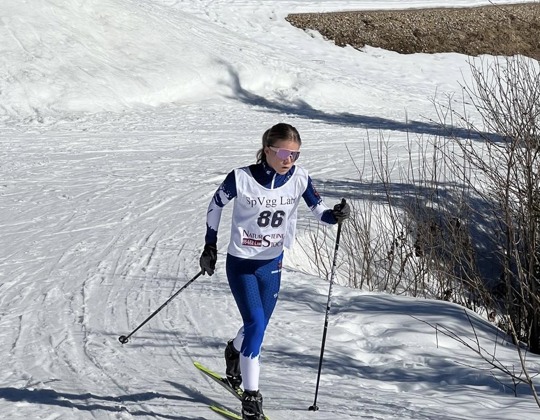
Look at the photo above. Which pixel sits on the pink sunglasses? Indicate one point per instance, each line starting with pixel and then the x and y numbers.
pixel 285 154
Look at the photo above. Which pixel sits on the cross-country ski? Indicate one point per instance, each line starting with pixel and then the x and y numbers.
pixel 225 384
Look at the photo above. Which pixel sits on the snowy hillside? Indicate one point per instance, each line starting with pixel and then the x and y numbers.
pixel 118 120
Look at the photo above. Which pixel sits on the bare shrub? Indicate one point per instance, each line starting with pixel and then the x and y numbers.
pixel 506 92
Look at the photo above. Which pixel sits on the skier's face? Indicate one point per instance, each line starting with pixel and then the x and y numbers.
pixel 282 155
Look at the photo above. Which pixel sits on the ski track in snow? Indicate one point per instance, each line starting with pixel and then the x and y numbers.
pixel 88 215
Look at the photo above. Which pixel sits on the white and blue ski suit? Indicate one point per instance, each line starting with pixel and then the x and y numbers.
pixel 263 222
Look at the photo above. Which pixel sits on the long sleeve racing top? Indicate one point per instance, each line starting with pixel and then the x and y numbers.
pixel 269 179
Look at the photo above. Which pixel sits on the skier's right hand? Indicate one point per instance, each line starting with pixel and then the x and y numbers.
pixel 208 259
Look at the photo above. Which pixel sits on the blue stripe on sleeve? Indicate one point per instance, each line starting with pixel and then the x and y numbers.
pixel 316 204
pixel 225 193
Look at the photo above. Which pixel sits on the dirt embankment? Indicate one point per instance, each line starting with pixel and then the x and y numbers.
pixel 497 30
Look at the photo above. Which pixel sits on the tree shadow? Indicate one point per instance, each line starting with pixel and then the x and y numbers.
pixel 434 370
pixel 83 401
pixel 302 109
pixel 417 201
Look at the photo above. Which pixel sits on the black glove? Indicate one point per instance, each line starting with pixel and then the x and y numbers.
pixel 208 259
pixel 341 211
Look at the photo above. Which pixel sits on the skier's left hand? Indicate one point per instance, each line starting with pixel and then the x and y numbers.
pixel 341 211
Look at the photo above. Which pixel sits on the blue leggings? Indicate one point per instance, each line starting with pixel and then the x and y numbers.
pixel 255 286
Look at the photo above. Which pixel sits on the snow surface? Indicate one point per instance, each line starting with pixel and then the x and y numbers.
pixel 118 119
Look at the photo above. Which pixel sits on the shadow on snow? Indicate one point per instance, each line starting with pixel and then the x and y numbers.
pixel 302 109
pixel 83 401
pixel 436 372
pixel 436 202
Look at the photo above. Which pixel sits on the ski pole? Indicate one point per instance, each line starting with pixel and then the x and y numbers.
pixel 314 407
pixel 124 339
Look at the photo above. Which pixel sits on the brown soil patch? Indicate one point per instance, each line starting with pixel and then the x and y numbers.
pixel 497 30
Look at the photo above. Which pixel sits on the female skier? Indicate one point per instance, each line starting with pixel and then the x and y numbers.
pixel 266 196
